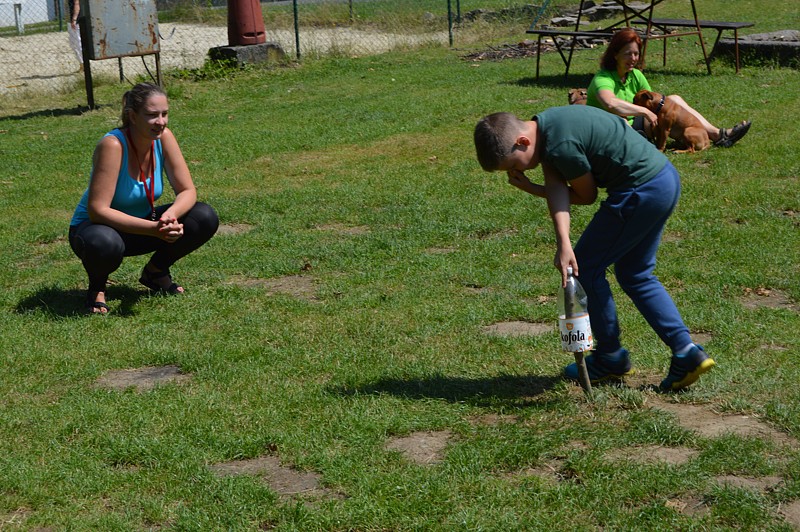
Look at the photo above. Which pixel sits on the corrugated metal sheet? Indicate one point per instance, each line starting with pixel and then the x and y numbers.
pixel 120 28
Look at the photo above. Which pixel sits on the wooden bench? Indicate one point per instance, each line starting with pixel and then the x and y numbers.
pixel 574 35
pixel 665 23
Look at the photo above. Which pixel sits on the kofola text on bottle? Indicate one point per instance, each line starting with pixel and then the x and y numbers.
pixel 576 334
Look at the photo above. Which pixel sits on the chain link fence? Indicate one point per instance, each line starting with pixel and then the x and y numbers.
pixel 37 47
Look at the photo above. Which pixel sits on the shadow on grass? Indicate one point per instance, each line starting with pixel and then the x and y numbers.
pixel 59 303
pixel 559 81
pixel 487 391
pixel 74 111
pixel 554 81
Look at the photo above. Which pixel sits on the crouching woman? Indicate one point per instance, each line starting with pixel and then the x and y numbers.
pixel 117 215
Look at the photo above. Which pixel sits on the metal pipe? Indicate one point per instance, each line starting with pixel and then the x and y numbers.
pixel 450 20
pixel 296 29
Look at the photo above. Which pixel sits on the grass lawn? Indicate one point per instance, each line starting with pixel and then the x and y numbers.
pixel 370 341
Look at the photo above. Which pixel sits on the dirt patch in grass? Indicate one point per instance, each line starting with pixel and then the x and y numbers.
pixel 424 448
pixel 50 244
pixel 492 420
pixel 707 423
pixel 702 338
pixel 643 381
pixel 540 300
pixel 551 471
pixel 287 482
pixel 142 379
pixel 233 229
pixel 650 454
pixel 670 237
pixel 548 473
pixel 765 297
pixel 768 483
pixel 15 519
pixel 518 328
pixel 773 347
pixel 689 506
pixel 474 288
pixel 299 286
pixel 791 513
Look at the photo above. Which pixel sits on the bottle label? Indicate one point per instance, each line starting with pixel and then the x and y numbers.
pixel 576 333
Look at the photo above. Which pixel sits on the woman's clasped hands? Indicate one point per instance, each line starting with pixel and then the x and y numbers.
pixel 168 228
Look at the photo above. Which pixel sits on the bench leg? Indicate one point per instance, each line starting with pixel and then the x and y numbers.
pixel 735 44
pixel 538 55
pixel 561 53
pixel 569 59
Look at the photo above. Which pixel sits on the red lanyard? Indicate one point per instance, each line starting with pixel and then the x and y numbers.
pixel 151 192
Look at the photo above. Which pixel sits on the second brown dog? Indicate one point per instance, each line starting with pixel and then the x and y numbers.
pixel 674 122
pixel 577 96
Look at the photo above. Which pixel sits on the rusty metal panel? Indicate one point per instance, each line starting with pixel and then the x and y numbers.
pixel 119 28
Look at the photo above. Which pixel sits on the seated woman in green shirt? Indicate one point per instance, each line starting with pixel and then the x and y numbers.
pixel 615 85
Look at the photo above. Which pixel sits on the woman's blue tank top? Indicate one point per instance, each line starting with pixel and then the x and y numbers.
pixel 130 196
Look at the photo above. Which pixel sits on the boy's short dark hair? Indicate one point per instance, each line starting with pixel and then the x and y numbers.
pixel 494 139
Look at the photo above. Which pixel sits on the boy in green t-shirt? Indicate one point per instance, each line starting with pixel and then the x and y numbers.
pixel 581 149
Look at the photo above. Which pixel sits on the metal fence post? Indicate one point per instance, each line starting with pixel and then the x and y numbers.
pixel 450 21
pixel 296 29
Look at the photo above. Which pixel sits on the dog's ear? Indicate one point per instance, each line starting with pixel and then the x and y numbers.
pixel 642 97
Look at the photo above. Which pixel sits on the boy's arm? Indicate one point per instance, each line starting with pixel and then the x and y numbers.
pixel 521 181
pixel 582 190
pixel 558 201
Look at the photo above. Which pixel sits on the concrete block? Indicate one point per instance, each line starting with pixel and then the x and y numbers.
pixel 250 54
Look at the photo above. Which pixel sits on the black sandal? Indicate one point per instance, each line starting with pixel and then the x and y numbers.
pixel 91 305
pixel 737 132
pixel 148 279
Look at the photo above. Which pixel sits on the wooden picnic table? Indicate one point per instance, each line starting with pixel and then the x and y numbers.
pixel 664 24
pixel 633 15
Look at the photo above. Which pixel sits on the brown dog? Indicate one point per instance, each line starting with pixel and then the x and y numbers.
pixel 577 96
pixel 674 122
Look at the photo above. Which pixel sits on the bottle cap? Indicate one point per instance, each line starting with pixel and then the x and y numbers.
pixel 569 270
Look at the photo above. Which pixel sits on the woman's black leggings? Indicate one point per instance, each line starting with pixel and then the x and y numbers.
pixel 101 248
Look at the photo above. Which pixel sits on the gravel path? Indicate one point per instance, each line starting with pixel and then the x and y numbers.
pixel 44 62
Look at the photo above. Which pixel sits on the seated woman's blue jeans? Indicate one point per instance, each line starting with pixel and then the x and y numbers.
pixel 626 232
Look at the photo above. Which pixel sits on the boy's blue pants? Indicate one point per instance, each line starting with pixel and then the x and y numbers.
pixel 626 232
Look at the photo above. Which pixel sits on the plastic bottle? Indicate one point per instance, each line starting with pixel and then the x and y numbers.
pixel 573 316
